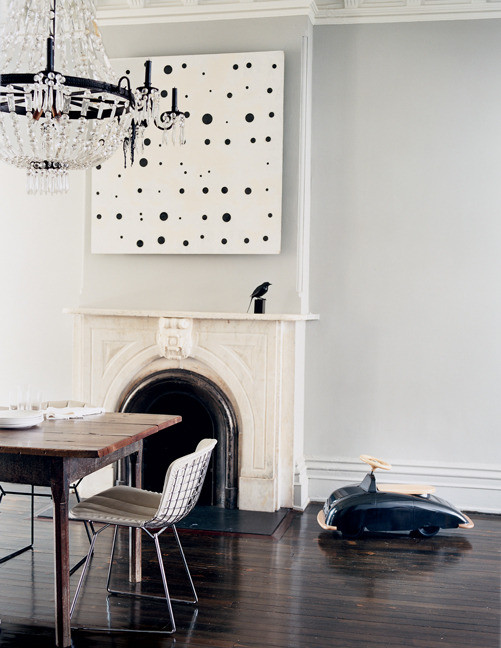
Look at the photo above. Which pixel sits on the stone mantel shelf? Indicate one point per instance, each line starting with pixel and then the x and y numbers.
pixel 107 312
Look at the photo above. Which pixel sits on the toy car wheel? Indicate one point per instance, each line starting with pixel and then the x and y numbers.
pixel 352 533
pixel 426 532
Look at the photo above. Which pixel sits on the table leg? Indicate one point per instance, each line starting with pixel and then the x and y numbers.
pixel 60 494
pixel 135 567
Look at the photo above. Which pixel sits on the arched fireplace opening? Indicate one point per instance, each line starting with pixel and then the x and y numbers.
pixel 206 412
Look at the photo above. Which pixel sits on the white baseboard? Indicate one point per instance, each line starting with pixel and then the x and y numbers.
pixel 472 487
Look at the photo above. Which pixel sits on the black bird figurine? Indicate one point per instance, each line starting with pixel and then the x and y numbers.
pixel 261 290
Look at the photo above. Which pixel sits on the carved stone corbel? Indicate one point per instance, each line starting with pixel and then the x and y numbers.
pixel 175 337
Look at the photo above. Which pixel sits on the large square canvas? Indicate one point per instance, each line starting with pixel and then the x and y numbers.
pixel 220 193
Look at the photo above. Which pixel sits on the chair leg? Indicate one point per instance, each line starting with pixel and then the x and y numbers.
pixel 89 526
pixel 148 596
pixel 195 597
pixel 155 537
pixel 86 567
pixel 27 547
pixel 167 597
pixel 164 581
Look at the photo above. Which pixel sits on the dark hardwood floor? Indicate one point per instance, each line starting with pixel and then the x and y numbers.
pixel 307 589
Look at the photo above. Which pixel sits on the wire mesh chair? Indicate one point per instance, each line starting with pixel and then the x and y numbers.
pixel 153 513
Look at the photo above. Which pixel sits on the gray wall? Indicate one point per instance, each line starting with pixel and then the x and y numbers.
pixel 406 231
pixel 405 250
pixel 208 282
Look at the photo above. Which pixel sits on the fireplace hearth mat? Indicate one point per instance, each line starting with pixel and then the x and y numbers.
pixel 213 518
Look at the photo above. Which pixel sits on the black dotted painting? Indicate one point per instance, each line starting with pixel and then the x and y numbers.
pixel 221 193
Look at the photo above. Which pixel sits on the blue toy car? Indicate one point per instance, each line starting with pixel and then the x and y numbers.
pixel 388 507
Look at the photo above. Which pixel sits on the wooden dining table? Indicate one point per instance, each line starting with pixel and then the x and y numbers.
pixel 56 453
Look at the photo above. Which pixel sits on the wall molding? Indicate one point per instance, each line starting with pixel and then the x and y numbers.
pixel 321 12
pixel 472 487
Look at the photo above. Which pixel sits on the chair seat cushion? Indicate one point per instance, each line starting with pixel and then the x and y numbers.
pixel 122 505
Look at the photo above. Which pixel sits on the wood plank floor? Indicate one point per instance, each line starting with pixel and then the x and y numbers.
pixel 308 589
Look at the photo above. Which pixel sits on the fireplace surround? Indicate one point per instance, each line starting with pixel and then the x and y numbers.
pixel 250 366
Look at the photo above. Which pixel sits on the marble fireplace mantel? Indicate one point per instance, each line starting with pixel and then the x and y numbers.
pixel 256 359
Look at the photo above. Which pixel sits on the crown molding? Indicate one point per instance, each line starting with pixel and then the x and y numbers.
pixel 320 12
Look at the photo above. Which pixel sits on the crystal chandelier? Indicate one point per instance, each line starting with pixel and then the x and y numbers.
pixel 69 112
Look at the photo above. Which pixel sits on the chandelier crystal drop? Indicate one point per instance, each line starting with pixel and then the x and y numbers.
pixel 61 106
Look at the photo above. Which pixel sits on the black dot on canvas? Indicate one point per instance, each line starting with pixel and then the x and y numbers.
pixel 187 114
pixel 184 66
pixel 224 190
pixel 207 142
pixel 185 243
pixel 274 66
pixel 248 190
pixel 272 114
pixel 164 216
pixel 207 118
pixel 119 216
pixel 181 191
pixel 204 217
pixel 139 243
pixel 268 139
pixel 249 65
pixel 98 216
pixel 246 240
pixel 226 218
pixel 224 241
pixel 229 95
pixel 147 141
pixel 163 93
pixel 161 240
pixel 270 215
pixel 98 167
pixel 227 142
pixel 269 91
pixel 127 71
pixel 253 140
pixel 235 67
pixel 249 117
pixel 168 69
pixel 139 190
pixel 205 190
pixel 143 162
pixel 265 238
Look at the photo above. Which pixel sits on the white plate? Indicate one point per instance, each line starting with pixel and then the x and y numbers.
pixel 20 419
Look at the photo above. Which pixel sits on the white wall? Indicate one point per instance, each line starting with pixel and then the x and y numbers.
pixel 41 244
pixel 406 265
pixel 208 282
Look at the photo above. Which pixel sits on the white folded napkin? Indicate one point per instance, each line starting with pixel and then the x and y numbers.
pixel 72 412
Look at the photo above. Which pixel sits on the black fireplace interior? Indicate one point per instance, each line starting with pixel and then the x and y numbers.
pixel 206 412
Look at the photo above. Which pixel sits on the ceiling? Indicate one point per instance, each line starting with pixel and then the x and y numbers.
pixel 320 12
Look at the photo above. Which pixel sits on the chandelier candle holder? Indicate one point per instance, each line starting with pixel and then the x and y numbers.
pixel 52 122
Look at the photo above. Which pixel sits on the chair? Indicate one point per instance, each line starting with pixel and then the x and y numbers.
pixel 153 513
pixel 32 493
